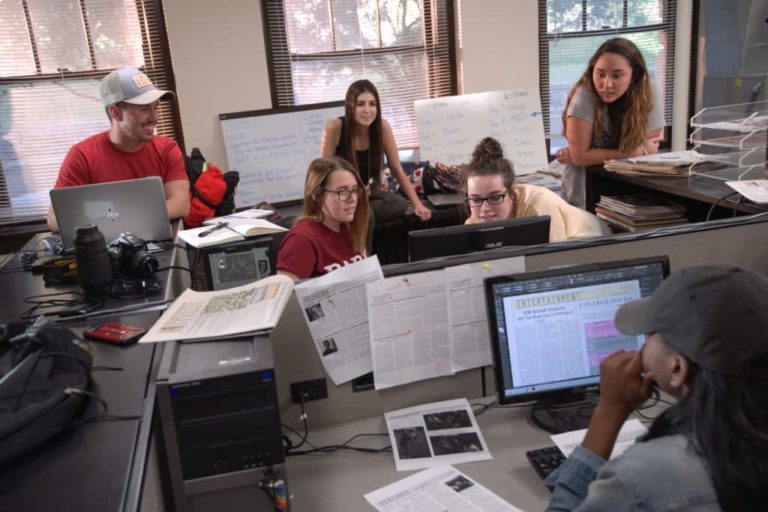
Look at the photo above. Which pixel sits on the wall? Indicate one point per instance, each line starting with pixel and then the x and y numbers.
pixel 499 50
pixel 500 44
pixel 220 65
pixel 208 39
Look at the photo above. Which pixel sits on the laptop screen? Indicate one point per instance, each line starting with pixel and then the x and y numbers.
pixel 131 206
pixel 550 330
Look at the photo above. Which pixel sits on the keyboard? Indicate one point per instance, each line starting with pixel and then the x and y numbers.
pixel 545 460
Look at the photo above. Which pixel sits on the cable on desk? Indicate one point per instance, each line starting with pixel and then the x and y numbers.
pixel 161 269
pixel 47 300
pixel 348 446
pixel 736 206
pixel 303 417
pixel 714 205
pixel 98 417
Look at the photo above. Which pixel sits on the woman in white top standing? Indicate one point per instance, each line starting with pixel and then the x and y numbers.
pixel 612 112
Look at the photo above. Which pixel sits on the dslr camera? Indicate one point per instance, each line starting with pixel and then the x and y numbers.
pixel 130 257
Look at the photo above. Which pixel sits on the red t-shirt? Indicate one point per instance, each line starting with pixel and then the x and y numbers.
pixel 311 249
pixel 97 160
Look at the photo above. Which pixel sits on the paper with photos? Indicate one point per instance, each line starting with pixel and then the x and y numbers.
pixel 409 328
pixel 630 431
pixel 435 434
pixel 335 309
pixel 442 488
pixel 470 343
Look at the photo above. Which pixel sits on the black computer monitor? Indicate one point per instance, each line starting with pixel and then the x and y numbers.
pixel 551 329
pixel 448 241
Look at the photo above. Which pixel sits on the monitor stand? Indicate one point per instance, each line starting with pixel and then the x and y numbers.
pixel 563 415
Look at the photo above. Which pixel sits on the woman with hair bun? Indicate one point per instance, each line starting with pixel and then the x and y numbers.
pixel 612 112
pixel 492 195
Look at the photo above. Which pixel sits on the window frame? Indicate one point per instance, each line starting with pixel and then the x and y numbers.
pixel 157 66
pixel 276 45
pixel 545 37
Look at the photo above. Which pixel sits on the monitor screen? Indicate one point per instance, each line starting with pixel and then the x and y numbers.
pixel 551 329
pixel 448 241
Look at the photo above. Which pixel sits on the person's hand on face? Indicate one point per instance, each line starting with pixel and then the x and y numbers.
pixel 623 387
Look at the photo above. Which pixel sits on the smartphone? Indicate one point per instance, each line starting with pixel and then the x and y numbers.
pixel 115 333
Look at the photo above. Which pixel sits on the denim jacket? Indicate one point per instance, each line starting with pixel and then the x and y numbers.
pixel 663 474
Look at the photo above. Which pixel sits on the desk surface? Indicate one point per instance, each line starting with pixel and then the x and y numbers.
pixel 98 465
pixel 338 480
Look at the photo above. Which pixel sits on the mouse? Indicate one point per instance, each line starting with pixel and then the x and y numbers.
pixel 51 245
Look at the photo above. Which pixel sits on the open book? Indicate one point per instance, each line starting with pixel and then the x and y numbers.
pixel 250 214
pixel 225 232
pixel 254 308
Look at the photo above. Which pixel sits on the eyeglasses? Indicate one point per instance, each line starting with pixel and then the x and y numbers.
pixel 345 193
pixel 477 202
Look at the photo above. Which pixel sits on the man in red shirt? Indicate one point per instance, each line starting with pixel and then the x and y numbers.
pixel 130 149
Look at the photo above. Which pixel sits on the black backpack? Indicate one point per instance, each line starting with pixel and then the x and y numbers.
pixel 44 372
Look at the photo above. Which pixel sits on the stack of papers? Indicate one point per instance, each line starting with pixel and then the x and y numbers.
pixel 754 190
pixel 639 212
pixel 673 164
pixel 253 308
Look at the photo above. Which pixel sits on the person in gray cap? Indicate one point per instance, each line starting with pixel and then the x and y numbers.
pixel 706 344
pixel 129 149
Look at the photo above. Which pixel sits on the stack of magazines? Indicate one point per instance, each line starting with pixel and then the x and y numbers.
pixel 673 164
pixel 639 212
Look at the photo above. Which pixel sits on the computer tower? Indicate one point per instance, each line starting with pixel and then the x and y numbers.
pixel 237 263
pixel 221 446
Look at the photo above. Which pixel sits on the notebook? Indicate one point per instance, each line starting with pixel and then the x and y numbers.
pixel 132 206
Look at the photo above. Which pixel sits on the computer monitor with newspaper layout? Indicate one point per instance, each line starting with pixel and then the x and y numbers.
pixel 551 329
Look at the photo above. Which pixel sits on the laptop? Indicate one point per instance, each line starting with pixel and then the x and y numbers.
pixel 131 206
pixel 446 200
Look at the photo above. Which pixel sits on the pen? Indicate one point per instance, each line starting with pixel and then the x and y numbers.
pixel 211 230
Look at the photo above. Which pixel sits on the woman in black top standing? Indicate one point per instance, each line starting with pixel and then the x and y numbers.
pixel 362 137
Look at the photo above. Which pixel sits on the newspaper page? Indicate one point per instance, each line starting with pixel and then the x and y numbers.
pixel 252 308
pixel 435 434
pixel 409 328
pixel 546 343
pixel 470 343
pixel 443 489
pixel 630 431
pixel 336 311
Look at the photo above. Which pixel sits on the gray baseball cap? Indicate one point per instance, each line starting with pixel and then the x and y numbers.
pixel 131 86
pixel 715 315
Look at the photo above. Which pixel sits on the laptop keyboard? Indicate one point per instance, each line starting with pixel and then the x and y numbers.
pixel 545 460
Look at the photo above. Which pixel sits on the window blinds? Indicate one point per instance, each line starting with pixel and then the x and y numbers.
pixel 55 53
pixel 571 30
pixel 405 47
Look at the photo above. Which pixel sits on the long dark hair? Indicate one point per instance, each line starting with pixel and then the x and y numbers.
pixel 629 114
pixel 376 147
pixel 725 418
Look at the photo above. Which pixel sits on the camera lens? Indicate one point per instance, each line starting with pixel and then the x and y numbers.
pixel 94 267
pixel 143 264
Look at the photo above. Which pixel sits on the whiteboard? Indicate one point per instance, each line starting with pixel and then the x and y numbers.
pixel 450 127
pixel 271 149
